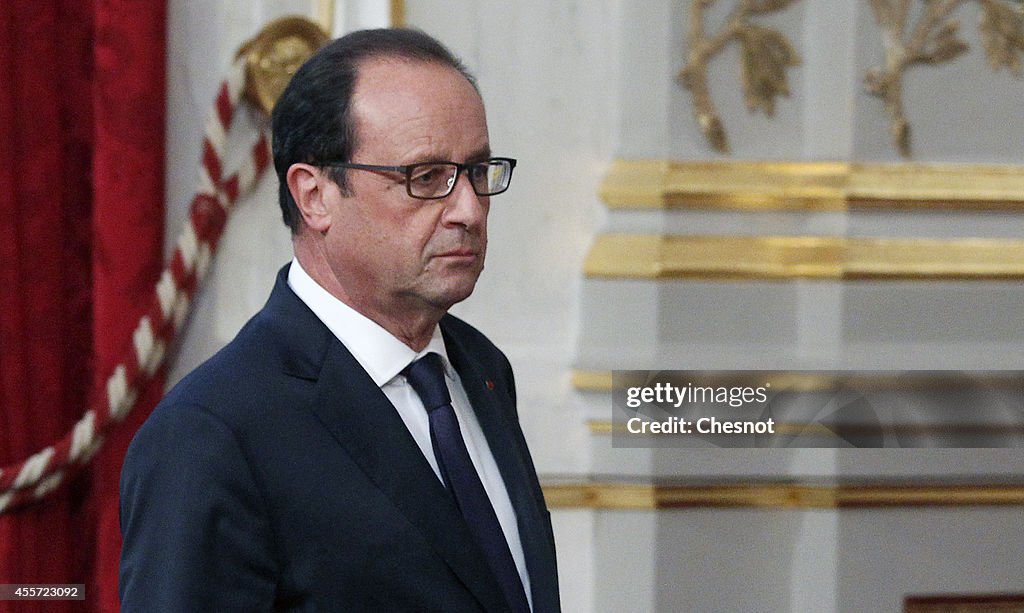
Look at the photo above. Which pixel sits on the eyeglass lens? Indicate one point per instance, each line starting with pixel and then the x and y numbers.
pixel 436 180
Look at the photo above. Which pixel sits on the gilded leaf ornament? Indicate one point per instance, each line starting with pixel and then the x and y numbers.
pixel 766 55
pixel 935 39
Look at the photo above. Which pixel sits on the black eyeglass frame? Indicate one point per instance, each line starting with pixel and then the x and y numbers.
pixel 408 171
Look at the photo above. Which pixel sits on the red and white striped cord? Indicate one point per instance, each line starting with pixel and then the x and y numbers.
pixel 170 303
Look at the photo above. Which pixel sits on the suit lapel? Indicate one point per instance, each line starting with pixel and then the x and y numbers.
pixel 493 408
pixel 362 419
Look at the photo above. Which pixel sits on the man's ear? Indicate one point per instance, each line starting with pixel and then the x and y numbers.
pixel 306 184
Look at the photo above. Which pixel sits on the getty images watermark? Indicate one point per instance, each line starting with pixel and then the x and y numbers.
pixel 817 409
pixel 664 394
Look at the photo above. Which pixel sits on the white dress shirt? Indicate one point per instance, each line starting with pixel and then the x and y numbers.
pixel 384 357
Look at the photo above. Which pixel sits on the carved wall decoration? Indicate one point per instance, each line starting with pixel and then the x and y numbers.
pixel 934 39
pixel 272 57
pixel 766 54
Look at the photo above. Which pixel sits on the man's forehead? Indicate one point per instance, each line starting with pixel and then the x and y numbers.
pixel 399 99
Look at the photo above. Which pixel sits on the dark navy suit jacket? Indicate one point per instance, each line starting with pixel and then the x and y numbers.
pixel 278 476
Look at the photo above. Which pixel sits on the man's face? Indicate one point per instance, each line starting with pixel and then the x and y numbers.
pixel 391 253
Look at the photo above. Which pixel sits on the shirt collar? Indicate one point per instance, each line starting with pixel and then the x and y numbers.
pixel 378 351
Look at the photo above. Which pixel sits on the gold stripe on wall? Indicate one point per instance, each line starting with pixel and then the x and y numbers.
pixel 812 381
pixel 636 256
pixel 625 496
pixel 323 11
pixel 607 427
pixel 592 380
pixel 398 13
pixel 920 186
pixel 323 14
pixel 811 186
pixel 725 185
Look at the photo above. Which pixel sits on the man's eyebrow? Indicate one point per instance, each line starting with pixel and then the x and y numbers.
pixel 481 155
pixel 484 153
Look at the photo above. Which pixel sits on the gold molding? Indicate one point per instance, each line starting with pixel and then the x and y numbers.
pixel 779 495
pixel 943 187
pixel 811 186
pixel 725 185
pixel 592 380
pixel 602 427
pixel 323 14
pixel 812 381
pixel 635 256
pixel 994 602
pixel 397 13
pixel 324 10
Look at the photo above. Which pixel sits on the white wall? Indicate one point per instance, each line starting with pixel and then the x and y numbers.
pixel 203 38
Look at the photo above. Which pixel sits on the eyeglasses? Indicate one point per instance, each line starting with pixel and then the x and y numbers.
pixel 435 180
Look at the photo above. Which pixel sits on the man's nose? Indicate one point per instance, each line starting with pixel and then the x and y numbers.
pixel 463 206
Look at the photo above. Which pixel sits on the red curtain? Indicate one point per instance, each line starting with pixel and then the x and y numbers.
pixel 81 235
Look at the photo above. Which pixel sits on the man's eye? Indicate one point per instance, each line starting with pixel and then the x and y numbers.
pixel 479 172
pixel 428 175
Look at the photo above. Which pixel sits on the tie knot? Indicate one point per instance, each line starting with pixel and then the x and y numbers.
pixel 426 375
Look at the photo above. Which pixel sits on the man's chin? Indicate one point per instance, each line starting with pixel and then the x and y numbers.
pixel 454 294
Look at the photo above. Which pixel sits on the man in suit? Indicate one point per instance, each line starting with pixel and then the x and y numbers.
pixel 354 448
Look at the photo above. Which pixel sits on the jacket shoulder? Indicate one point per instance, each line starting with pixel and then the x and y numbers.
pixel 269 359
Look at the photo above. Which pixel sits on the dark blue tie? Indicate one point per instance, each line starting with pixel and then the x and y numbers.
pixel 426 376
